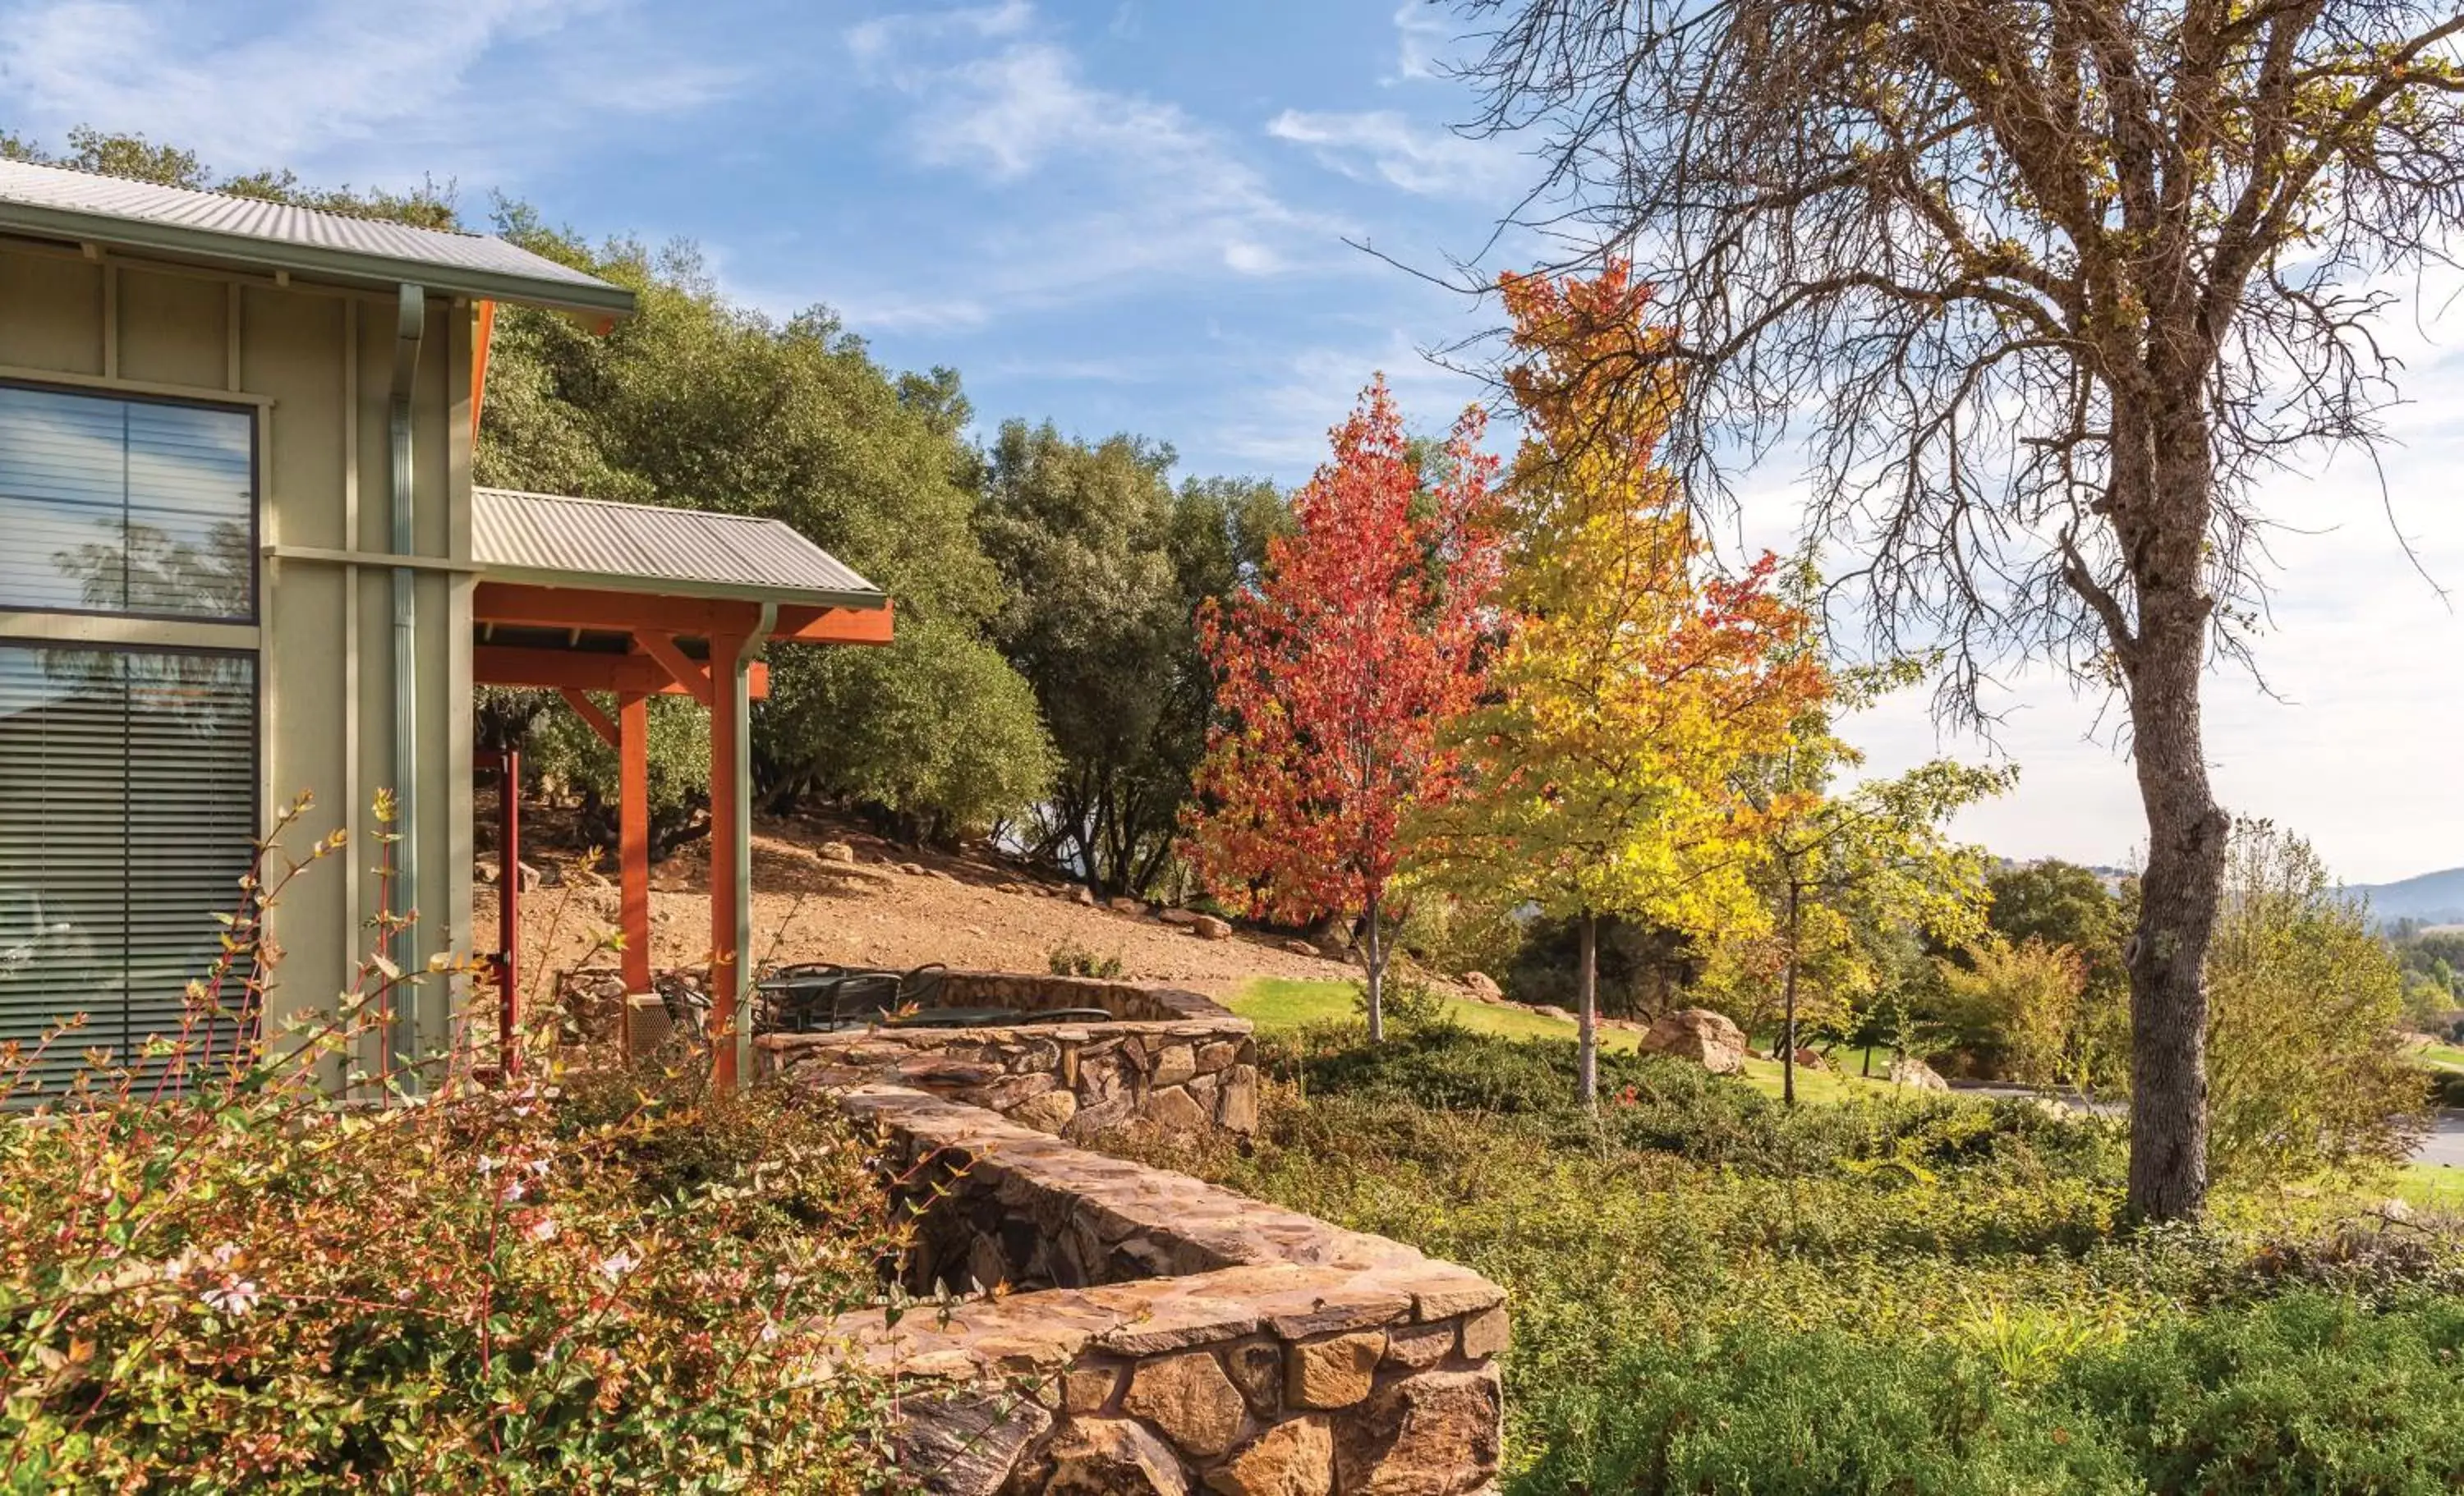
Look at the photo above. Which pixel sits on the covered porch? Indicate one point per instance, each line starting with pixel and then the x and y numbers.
pixel 611 604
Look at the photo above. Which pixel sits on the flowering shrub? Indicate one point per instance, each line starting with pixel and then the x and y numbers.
pixel 575 1284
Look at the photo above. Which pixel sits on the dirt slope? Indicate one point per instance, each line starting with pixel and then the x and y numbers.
pixel 953 909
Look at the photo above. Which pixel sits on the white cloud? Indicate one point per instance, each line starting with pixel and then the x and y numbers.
pixel 1382 146
pixel 1086 185
pixel 1423 37
pixel 339 83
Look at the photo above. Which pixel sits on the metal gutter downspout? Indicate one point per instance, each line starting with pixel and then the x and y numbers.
pixel 410 328
pixel 742 976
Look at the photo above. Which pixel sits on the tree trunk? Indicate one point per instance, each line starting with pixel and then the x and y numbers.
pixel 1587 1015
pixel 2162 526
pixel 1376 961
pixel 1788 1007
pixel 2187 832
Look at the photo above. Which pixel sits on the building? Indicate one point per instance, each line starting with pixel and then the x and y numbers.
pixel 242 558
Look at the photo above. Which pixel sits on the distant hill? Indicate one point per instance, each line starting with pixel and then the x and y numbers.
pixel 2434 899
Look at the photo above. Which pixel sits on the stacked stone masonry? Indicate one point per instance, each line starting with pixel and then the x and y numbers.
pixel 1170 1059
pixel 1194 1340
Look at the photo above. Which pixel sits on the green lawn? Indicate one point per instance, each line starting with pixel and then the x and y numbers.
pixel 2441 1057
pixel 2430 1186
pixel 1273 1002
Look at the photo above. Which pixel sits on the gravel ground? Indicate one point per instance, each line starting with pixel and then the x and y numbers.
pixel 953 912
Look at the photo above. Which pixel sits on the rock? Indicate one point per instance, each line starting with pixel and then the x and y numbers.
pixel 1551 1010
pixel 1210 927
pixel 533 880
pixel 1083 894
pixel 1126 905
pixel 929 1071
pixel 485 870
pixel 1048 1112
pixel 1111 1457
pixel 1086 1389
pixel 913 869
pixel 1177 1063
pixel 1810 1060
pixel 1909 1070
pixel 835 851
pixel 1237 1107
pixel 1179 917
pixel 1257 1368
pixel 1300 948
pixel 1291 1458
pixel 1486 1335
pixel 1436 1434
pixel 1706 1037
pixel 1217 1056
pixel 1419 1347
pixel 1190 1400
pixel 965 1443
pixel 1334 1370
pixel 1172 1110
pixel 1482 986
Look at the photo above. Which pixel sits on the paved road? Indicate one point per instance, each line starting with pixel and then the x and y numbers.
pixel 2445 1144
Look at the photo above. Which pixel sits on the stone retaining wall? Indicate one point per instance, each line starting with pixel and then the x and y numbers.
pixel 1219 1344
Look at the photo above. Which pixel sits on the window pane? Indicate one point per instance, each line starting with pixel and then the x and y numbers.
pixel 127 798
pixel 124 506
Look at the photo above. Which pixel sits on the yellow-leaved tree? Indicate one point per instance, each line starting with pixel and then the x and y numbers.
pixel 1633 682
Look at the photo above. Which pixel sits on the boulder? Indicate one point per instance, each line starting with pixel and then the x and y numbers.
pixel 1083 894
pixel 1179 917
pixel 835 851
pixel 913 869
pixel 1048 1112
pixel 1482 986
pixel 1301 948
pixel 1210 927
pixel 1909 1070
pixel 1810 1060
pixel 1706 1037
pixel 1125 905
pixel 1295 1457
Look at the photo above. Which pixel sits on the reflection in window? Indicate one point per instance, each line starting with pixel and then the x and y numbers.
pixel 127 805
pixel 125 506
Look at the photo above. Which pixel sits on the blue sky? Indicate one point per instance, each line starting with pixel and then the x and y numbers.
pixel 1133 216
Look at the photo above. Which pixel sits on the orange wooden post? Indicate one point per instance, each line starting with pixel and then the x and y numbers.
pixel 730 846
pixel 633 836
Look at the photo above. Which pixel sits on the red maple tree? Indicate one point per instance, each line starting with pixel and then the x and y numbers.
pixel 1339 672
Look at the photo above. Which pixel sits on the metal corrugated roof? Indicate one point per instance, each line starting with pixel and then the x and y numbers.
pixel 592 542
pixel 55 201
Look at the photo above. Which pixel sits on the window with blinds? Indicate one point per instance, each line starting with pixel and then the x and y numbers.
pixel 128 804
pixel 127 775
pixel 136 507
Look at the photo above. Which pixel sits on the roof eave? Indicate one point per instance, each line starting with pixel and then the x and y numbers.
pixel 674 586
pixel 347 266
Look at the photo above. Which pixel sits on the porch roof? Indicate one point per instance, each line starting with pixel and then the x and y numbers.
pixel 553 540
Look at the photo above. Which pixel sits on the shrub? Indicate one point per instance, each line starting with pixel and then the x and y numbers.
pixel 1412 1006
pixel 1070 959
pixel 214 1277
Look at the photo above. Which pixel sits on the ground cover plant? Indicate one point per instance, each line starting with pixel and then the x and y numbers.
pixel 1714 1293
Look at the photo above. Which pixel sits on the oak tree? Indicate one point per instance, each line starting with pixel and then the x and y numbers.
pixel 2049 286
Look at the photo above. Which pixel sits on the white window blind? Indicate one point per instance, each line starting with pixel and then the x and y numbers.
pixel 125 506
pixel 127 805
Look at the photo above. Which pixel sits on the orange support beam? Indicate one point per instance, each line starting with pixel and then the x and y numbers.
pixel 691 674
pixel 730 825
pixel 591 717
pixel 575 669
pixel 633 837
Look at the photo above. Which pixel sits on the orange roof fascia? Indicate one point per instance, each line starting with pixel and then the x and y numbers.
pixel 479 339
pixel 835 625
pixel 573 669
